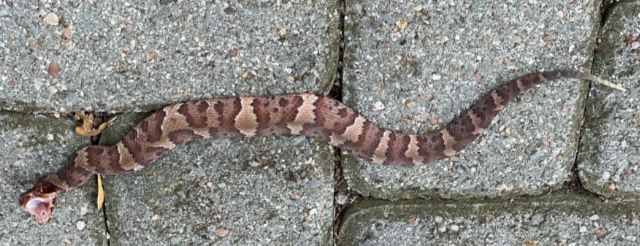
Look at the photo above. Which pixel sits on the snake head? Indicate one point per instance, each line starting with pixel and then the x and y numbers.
pixel 39 202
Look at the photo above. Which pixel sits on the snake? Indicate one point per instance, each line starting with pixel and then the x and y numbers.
pixel 310 115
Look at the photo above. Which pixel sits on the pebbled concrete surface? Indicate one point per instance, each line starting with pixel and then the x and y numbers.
pixel 609 162
pixel 547 220
pixel 414 62
pixel 137 55
pixel 32 147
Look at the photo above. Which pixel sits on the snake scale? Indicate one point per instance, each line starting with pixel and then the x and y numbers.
pixel 319 117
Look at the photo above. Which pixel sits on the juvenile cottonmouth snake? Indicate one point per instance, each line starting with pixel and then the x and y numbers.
pixel 296 114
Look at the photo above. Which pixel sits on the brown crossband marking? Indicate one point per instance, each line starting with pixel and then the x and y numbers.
pixel 227 110
pixel 213 118
pixel 431 147
pixel 94 159
pixel 261 107
pixel 150 127
pixel 368 141
pixel 195 113
pixel 398 145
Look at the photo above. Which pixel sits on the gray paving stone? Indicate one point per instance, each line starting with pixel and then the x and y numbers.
pixel 31 147
pixel 447 56
pixel 275 190
pixel 136 55
pixel 609 159
pixel 551 220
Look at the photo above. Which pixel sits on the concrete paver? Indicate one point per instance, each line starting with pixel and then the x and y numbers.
pixel 609 160
pixel 137 55
pixel 129 56
pixel 412 63
pixel 557 220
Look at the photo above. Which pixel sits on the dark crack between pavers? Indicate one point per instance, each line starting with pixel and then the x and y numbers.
pixel 573 184
pixel 340 188
pixel 99 118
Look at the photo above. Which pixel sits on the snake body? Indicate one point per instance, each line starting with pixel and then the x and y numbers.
pixel 319 117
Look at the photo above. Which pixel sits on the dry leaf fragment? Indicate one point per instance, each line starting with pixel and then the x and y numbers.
pixel 100 199
pixel 89 128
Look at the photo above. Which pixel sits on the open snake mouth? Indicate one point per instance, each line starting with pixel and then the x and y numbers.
pixel 40 205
